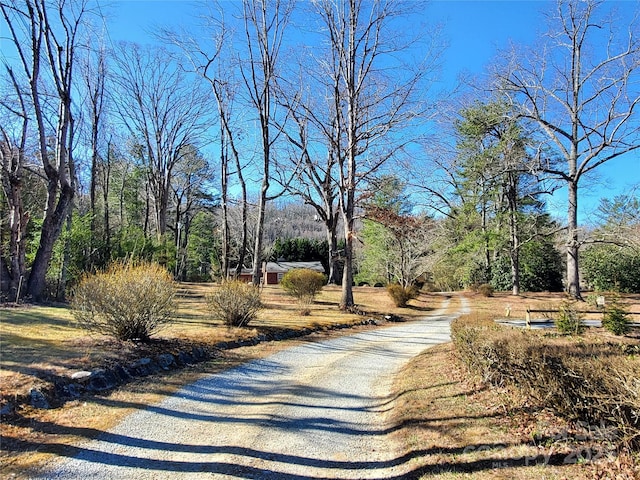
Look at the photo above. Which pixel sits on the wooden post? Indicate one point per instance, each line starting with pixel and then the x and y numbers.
pixel 528 319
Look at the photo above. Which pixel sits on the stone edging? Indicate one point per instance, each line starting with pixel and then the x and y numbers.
pixel 73 387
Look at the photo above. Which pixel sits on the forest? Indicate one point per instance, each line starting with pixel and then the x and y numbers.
pixel 240 139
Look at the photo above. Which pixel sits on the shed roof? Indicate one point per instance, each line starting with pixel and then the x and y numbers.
pixel 283 267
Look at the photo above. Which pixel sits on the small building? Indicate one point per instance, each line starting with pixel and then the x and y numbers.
pixel 272 272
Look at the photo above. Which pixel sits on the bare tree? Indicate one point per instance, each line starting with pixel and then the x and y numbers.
pixel 47 36
pixel 580 87
pixel 164 111
pixel 94 77
pixel 265 23
pixel 407 241
pixel 12 164
pixel 211 57
pixel 369 103
pixel 314 172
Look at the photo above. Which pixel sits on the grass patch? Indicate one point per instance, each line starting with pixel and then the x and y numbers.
pixel 39 343
pixel 453 428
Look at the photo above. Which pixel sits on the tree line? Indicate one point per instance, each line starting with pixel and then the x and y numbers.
pixel 178 152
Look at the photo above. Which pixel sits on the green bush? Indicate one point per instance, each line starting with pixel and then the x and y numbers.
pixel 612 268
pixel 569 319
pixel 616 318
pixel 235 303
pixel 303 284
pixel 401 295
pixel 127 301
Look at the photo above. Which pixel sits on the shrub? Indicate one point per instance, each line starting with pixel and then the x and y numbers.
pixel 582 380
pixel 401 295
pixel 303 284
pixel 485 290
pixel 616 318
pixel 569 319
pixel 127 301
pixel 235 303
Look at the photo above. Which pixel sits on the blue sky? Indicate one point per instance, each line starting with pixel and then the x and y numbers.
pixel 474 32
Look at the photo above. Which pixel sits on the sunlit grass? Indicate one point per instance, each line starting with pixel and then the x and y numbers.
pixel 39 340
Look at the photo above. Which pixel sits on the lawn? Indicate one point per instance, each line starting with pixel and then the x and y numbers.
pixel 39 343
pixel 36 342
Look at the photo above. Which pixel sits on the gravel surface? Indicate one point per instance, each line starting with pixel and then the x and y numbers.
pixel 313 411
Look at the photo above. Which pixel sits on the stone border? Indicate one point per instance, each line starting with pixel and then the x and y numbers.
pixel 57 392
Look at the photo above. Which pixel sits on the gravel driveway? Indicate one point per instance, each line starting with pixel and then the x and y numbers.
pixel 313 411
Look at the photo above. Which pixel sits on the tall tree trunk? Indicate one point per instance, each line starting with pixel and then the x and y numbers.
pixel 51 229
pixel 106 169
pixel 514 239
pixel 257 249
pixel 224 197
pixel 66 259
pixel 346 299
pixel 573 273
pixel 244 240
pixel 332 241
pixel 18 220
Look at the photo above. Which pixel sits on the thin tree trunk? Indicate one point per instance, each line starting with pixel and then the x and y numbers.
pixel 346 299
pixel 257 250
pixel 573 273
pixel 332 241
pixel 105 200
pixel 66 259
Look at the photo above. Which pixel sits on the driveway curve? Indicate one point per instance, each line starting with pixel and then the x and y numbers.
pixel 314 411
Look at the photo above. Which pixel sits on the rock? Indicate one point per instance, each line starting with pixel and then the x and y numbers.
pixel 142 367
pixel 7 409
pixel 121 373
pixel 185 358
pixel 165 361
pixel 72 390
pixel 143 362
pixel 81 376
pixel 37 399
pixel 101 380
pixel 199 353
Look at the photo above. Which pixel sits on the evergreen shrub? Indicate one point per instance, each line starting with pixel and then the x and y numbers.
pixel 616 318
pixel 569 319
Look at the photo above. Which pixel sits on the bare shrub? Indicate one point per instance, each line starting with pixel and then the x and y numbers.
pixel 235 303
pixel 485 290
pixel 127 301
pixel 582 380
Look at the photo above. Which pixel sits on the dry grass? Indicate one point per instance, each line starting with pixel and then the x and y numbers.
pixel 37 342
pixel 40 341
pixel 497 305
pixel 453 427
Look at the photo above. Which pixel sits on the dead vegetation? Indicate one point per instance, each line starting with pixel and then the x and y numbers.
pixel 449 424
